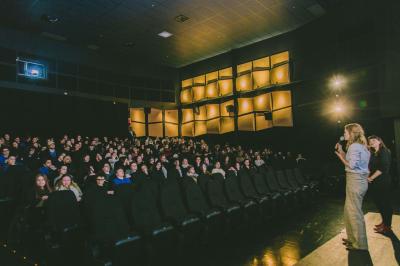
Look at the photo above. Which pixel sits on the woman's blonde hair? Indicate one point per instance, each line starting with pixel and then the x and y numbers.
pixel 356 133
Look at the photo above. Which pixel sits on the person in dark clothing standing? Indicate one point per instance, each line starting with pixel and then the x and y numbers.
pixel 379 182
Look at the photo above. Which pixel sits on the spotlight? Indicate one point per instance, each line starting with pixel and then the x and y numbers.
pixel 339 122
pixel 338 109
pixel 337 82
pixel 114 102
pixel 65 93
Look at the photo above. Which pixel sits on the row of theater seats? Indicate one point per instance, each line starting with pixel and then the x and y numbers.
pixel 153 223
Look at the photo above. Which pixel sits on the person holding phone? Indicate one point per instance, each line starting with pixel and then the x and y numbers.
pixel 356 161
pixel 379 182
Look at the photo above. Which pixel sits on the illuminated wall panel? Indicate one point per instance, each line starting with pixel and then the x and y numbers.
pixel 261 78
pixel 227 124
pixel 187 83
pixel 223 107
pixel 281 99
pixel 199 80
pixel 139 129
pixel 261 63
pixel 280 74
pixel 245 105
pixel 279 58
pixel 262 102
pixel 283 117
pixel 244 83
pixel 246 122
pixel 261 123
pixel 155 130
pixel 225 73
pixel 137 115
pixel 171 130
pixel 200 128
pixel 225 87
pixel 187 129
pixel 155 115
pixel 186 96
pixel 171 116
pixel 212 90
pixel 202 115
pixel 212 111
pixel 198 93
pixel 187 115
pixel 211 76
pixel 246 67
pixel 213 126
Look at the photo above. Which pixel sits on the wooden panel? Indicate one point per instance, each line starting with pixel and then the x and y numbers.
pixel 200 128
pixel 245 105
pixel 171 130
pixel 281 99
pixel 261 78
pixel 155 115
pixel 280 74
pixel 279 58
pixel 187 129
pixel 171 116
pixel 223 107
pixel 156 130
pixel 283 117
pixel 212 90
pixel 225 87
pixel 262 102
pixel 246 122
pixel 244 83
pixel 137 115
pixel 139 129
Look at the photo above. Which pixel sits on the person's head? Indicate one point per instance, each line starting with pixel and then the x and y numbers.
pixel 67 159
pixel 163 158
pixel 47 163
pixel 63 170
pixel 158 165
pixel 185 161
pixel 237 166
pixel 52 146
pixel 144 168
pixel 217 165
pixel 119 172
pixel 198 160
pixel 100 180
pixel 191 170
pixel 204 168
pixel 376 143
pixel 86 158
pixel 66 181
pixel 176 162
pixel 133 167
pixel 354 133
pixel 12 160
pixel 258 157
pixel 106 168
pixel 6 152
pixel 41 181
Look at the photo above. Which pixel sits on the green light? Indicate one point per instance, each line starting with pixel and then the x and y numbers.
pixel 363 104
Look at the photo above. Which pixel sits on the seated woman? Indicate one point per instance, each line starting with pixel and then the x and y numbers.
pixel 157 174
pixel 217 169
pixel 67 184
pixel 40 192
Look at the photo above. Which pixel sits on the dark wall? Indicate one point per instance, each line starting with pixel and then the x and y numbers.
pixel 348 41
pixel 53 115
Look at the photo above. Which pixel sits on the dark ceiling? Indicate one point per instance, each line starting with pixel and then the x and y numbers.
pixel 130 27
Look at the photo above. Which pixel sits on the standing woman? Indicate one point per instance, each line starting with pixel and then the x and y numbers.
pixel 379 180
pixel 356 165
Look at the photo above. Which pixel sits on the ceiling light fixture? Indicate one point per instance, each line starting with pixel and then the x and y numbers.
pixel 49 19
pixel 165 34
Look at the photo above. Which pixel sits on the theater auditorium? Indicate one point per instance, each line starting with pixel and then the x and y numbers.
pixel 195 132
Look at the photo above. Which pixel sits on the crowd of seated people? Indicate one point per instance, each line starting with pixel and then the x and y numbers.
pixel 32 168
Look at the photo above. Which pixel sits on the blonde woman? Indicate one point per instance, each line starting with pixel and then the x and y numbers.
pixel 66 183
pixel 356 161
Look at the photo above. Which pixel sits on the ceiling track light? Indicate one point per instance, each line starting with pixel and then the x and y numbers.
pixel 49 19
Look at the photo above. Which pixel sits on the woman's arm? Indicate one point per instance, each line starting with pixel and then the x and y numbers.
pixel 341 157
pixel 374 175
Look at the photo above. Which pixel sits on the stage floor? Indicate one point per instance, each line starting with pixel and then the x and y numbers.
pixel 383 250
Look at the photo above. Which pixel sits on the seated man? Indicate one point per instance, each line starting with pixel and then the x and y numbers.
pixel 120 177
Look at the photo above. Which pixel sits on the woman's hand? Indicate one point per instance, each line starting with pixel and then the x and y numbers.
pixel 339 154
pixel 45 197
pixel 370 179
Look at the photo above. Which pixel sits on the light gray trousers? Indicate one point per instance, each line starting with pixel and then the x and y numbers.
pixel 356 187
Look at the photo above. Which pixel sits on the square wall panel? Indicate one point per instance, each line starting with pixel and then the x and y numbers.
pixel 261 78
pixel 186 96
pixel 155 115
pixel 227 124
pixel 213 126
pixel 137 115
pixel 171 116
pixel 212 111
pixel 198 93
pixel 279 58
pixel 225 73
pixel 246 67
pixel 155 130
pixel 139 129
pixel 261 123
pixel 171 130
pixel 262 102
pixel 246 122
pixel 281 99
pixel 280 74
pixel 187 83
pixel 202 115
pixel 200 128
pixel 223 107
pixel 187 115
pixel 212 90
pixel 283 118
pixel 261 63
pixel 200 80
pixel 244 83
pixel 245 105
pixel 225 87
pixel 187 129
pixel 212 76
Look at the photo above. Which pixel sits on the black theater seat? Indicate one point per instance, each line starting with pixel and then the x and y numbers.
pixel 123 195
pixel 174 210
pixel 249 191
pixel 197 204
pixel 161 237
